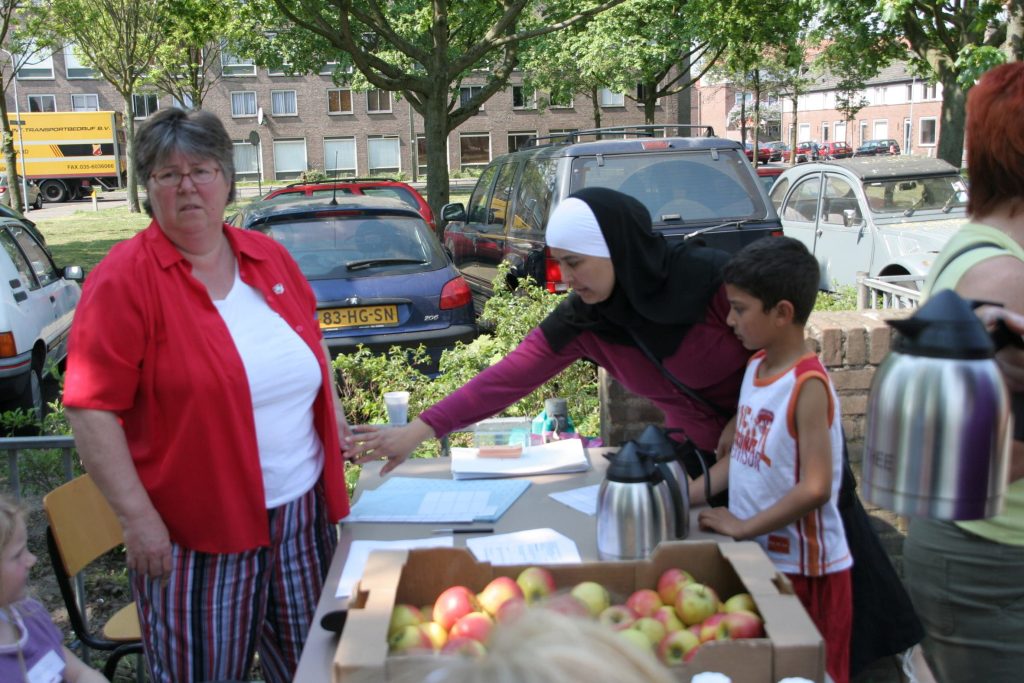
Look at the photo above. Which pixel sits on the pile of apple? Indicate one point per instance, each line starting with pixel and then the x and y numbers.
pixel 673 620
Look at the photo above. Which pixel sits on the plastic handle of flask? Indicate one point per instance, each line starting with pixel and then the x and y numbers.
pixel 677 499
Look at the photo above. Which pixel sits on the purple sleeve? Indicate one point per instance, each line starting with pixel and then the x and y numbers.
pixel 528 366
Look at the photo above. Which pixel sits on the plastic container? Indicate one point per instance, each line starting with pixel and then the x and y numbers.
pixel 502 431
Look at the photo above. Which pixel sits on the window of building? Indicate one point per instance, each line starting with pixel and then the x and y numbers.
pixel 929 128
pixel 560 101
pixel 233 65
pixel 523 97
pixel 468 92
pixel 73 64
pixel 378 101
pixel 340 157
pixel 880 129
pixel 607 98
pixel 42 103
pixel 85 102
pixel 243 104
pixel 282 103
pixel 184 103
pixel 339 101
pixel 247 160
pixel 840 130
pixel 824 131
pixel 421 154
pixel 910 92
pixel 929 92
pixel 559 134
pixel 474 149
pixel 289 158
pixel 328 69
pixel 145 105
pixel 283 70
pixel 805 132
pixel 516 139
pixel 383 154
pixel 35 63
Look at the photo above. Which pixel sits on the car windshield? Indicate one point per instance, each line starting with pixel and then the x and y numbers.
pixel 333 246
pixel 898 195
pixel 677 189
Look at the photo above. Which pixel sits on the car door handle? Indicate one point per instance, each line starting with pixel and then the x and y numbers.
pixel 20 296
pixel 53 299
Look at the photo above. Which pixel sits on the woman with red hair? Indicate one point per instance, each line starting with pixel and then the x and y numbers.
pixel 965 578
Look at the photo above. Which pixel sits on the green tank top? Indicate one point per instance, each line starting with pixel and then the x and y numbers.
pixel 1007 528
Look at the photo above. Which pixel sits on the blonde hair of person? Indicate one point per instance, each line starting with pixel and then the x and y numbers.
pixel 10 514
pixel 542 646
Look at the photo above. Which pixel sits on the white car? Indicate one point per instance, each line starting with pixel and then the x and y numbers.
pixel 37 303
pixel 35 197
pixel 882 215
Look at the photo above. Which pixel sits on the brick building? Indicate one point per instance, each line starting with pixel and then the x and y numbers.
pixel 899 105
pixel 306 122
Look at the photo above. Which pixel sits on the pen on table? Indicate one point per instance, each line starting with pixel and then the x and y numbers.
pixel 478 530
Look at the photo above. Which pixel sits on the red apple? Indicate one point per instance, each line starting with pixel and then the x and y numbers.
pixel 674 647
pixel 536 583
pixel 740 601
pixel 740 624
pixel 510 610
pixel 645 602
pixel 593 595
pixel 404 615
pixel 650 627
pixel 709 627
pixel 475 625
pixel 669 583
pixel 566 604
pixel 466 647
pixel 696 602
pixel 691 654
pixel 409 638
pixel 437 635
pixel 618 617
pixel 453 604
pixel 669 619
pixel 498 592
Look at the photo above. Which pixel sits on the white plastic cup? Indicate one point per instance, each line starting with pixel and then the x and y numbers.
pixel 397 403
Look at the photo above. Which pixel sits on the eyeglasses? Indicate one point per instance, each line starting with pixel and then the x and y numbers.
pixel 173 178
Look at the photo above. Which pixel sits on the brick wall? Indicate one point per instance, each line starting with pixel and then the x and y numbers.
pixel 851 344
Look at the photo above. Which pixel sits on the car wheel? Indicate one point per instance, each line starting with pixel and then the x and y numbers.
pixel 38 204
pixel 54 191
pixel 31 399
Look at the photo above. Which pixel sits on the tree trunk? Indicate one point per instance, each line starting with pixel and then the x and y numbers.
pixel 13 178
pixel 954 118
pixel 129 150
pixel 757 117
pixel 743 117
pixel 650 102
pixel 793 133
pixel 435 119
pixel 595 99
pixel 1013 46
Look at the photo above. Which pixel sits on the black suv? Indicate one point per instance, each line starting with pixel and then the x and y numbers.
pixel 880 147
pixel 694 187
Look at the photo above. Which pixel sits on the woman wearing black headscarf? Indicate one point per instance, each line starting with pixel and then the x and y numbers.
pixel 651 314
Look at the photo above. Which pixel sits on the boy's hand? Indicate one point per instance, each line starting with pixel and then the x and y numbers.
pixel 721 521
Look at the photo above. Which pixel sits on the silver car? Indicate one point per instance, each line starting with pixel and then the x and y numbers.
pixel 35 197
pixel 878 215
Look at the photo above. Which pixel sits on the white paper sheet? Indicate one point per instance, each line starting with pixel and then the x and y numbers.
pixel 554 457
pixel 583 499
pixel 531 546
pixel 359 553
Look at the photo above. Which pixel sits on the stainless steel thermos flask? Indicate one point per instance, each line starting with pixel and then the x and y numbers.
pixel 938 418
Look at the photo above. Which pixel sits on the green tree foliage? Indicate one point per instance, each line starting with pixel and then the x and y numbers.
pixel 423 49
pixel 19 48
pixel 186 65
pixel 117 38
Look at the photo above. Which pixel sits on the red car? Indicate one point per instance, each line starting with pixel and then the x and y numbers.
pixel 763 153
pixel 835 150
pixel 370 187
pixel 767 174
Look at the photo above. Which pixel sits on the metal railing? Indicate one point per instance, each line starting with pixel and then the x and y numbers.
pixel 13 447
pixel 888 291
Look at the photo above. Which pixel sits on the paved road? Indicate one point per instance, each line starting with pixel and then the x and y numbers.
pixel 108 200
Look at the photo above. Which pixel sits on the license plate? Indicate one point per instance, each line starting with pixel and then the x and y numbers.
pixel 358 316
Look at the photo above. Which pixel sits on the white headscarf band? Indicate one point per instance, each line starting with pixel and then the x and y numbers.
pixel 574 227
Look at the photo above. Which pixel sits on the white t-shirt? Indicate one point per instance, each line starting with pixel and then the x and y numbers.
pixel 765 465
pixel 284 379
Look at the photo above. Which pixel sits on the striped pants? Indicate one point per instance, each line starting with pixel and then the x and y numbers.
pixel 217 610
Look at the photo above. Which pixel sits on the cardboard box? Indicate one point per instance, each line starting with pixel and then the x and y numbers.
pixel 793 646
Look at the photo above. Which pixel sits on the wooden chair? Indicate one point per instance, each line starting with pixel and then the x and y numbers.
pixel 82 528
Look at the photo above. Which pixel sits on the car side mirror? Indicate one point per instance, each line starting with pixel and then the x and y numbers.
pixel 454 212
pixel 851 219
pixel 74 273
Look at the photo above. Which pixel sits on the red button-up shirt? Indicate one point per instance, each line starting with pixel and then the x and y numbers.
pixel 148 344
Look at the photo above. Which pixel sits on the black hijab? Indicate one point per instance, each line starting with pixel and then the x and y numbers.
pixel 660 290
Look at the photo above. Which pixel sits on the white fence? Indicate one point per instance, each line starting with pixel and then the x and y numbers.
pixel 888 291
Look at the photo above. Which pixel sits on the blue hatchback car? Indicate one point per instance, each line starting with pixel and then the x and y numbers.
pixel 380 276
